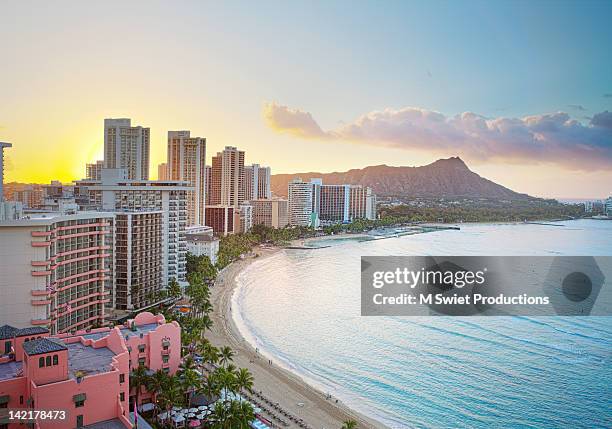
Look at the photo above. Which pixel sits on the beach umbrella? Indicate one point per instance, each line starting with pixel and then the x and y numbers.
pixel 194 423
pixel 193 410
pixel 191 415
pixel 202 407
pixel 175 408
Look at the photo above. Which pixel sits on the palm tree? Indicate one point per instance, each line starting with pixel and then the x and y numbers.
pixel 349 424
pixel 156 384
pixel 226 355
pixel 244 380
pixel 138 379
pixel 188 364
pixel 171 395
pixel 191 382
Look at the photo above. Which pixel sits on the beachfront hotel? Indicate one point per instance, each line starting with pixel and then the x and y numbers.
pixel 116 193
pixel 202 242
pixel 127 147
pixel 313 203
pixel 187 162
pixel 56 270
pixel 85 373
pixel 271 213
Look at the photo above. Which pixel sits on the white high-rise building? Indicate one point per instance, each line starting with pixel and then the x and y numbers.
pixel 300 203
pixel 117 194
pixel 127 147
pixel 608 206
pixel 187 163
pixel 257 182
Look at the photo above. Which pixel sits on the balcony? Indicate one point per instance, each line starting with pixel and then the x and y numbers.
pixel 41 273
pixel 39 322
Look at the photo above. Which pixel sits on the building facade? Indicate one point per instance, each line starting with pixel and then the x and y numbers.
pixel 271 213
pixel 127 147
pixel 257 182
pixel 138 259
pixel 227 178
pixel 608 206
pixel 162 171
pixel 300 201
pixel 3 146
pixel 221 219
pixel 94 171
pixel 201 242
pixel 115 194
pixel 86 373
pixel 187 163
pixel 56 270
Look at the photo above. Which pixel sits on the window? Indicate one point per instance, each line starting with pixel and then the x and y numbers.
pixel 7 347
pixel 165 359
pixel 122 396
pixel 78 404
pixel 55 360
pixel 41 362
pixel 121 378
pixel 21 400
pixel 167 370
pixel 141 348
pixel 48 361
pixel 141 361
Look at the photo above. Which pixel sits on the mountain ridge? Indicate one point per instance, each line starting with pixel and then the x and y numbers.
pixel 446 177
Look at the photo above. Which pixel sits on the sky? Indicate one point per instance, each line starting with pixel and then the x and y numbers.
pixel 521 90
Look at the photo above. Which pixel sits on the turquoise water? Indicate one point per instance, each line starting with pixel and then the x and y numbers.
pixel 302 308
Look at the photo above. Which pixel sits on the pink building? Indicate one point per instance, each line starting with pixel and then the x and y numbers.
pixel 86 373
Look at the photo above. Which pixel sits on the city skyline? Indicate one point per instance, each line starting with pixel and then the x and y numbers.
pixel 289 100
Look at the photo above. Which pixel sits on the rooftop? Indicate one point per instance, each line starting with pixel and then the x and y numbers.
pixel 10 369
pixel 43 345
pixel 32 330
pixel 7 332
pixel 88 359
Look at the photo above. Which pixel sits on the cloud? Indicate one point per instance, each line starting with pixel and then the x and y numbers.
pixel 551 138
pixel 292 121
pixel 603 120
pixel 578 107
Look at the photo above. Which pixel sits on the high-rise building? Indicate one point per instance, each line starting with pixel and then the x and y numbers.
pixel 362 203
pixel 3 146
pixel 187 163
pixel 244 219
pixel 127 147
pixel 335 203
pixel 227 178
pixel 300 203
pixel 257 182
pixel 222 219
pixel 608 206
pixel 271 213
pixel 94 171
pixel 138 259
pixel 162 171
pixel 116 194
pixel 208 175
pixel 31 196
pixel 56 270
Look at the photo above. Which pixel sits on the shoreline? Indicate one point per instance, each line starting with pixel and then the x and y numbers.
pixel 278 384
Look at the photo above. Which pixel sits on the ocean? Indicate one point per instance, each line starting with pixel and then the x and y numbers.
pixel 302 309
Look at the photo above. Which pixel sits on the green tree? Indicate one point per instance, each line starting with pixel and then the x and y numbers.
pixel 174 289
pixel 139 379
pixel 349 424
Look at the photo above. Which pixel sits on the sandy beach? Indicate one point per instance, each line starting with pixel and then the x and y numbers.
pixel 274 382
